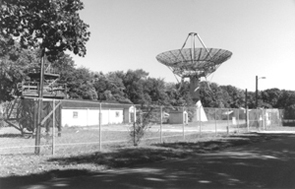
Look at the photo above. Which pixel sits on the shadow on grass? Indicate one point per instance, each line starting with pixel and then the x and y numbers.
pixel 9 135
pixel 127 157
pixel 18 181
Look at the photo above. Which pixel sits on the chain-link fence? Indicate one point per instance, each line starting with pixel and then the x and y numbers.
pixel 73 126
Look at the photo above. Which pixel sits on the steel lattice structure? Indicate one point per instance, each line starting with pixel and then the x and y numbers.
pixel 197 62
pixel 194 63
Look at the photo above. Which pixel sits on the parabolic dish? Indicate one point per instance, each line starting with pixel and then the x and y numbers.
pixel 198 62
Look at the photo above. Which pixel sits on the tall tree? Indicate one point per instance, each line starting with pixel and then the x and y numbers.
pixel 271 97
pixel 183 95
pixel 233 96
pixel 212 95
pixel 64 65
pixel 80 85
pixel 110 87
pixel 13 64
pixel 154 90
pixel 133 82
pixel 116 86
pixel 51 25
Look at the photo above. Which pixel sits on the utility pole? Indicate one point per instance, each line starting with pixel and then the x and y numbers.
pixel 40 106
pixel 246 106
pixel 256 90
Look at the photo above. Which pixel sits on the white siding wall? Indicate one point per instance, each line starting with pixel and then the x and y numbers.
pixel 90 117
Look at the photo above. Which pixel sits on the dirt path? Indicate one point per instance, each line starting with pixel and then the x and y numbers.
pixel 269 164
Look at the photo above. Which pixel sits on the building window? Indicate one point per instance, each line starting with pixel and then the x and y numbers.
pixel 75 114
pixel 117 114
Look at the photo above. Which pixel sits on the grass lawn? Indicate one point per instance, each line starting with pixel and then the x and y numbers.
pixel 79 140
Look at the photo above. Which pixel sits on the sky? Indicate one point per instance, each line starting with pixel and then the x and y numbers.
pixel 129 34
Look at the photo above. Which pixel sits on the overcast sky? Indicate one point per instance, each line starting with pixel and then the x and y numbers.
pixel 129 34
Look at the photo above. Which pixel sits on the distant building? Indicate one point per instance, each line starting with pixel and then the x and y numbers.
pixel 178 117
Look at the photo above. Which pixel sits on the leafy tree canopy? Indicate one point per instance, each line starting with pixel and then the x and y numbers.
pixel 13 64
pixel 52 25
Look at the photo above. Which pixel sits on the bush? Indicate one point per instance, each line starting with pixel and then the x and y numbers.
pixel 144 118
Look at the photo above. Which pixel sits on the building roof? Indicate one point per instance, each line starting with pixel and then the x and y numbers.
pixel 83 104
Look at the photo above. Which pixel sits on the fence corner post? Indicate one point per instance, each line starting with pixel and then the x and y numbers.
pixel 247 120
pixel 183 123
pixel 99 124
pixel 53 127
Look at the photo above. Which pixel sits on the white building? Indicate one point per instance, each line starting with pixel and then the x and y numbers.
pixel 85 113
pixel 178 117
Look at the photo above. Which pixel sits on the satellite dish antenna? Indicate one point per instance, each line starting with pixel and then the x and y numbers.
pixel 193 63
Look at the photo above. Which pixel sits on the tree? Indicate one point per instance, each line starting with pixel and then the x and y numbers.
pixel 212 95
pixel 100 84
pixel 79 84
pixel 183 95
pixel 133 82
pixel 271 97
pixel 235 97
pixel 51 25
pixel 154 90
pixel 110 87
pixel 63 65
pixel 172 94
pixel 13 64
pixel 287 98
pixel 116 86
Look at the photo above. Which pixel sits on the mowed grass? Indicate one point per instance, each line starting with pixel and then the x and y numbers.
pixel 77 140
pixel 17 152
pixel 72 141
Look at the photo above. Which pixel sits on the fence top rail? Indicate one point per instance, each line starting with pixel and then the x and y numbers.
pixel 86 103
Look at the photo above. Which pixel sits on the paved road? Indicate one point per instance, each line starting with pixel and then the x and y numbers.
pixel 270 164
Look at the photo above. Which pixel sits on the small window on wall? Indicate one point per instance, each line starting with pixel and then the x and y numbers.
pixel 75 114
pixel 117 114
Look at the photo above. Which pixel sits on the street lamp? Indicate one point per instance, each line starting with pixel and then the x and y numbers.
pixel 256 92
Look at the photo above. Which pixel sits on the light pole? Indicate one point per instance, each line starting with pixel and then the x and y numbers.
pixel 256 91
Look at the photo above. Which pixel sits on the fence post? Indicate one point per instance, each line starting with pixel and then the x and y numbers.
pixel 238 121
pixel 247 120
pixel 161 120
pixel 134 114
pixel 246 106
pixel 140 118
pixel 183 124
pixel 200 119
pixel 227 127
pixel 134 126
pixel 38 129
pixel 134 134
pixel 99 126
pixel 215 121
pixel 260 121
pixel 35 117
pixel 263 119
pixel 53 127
